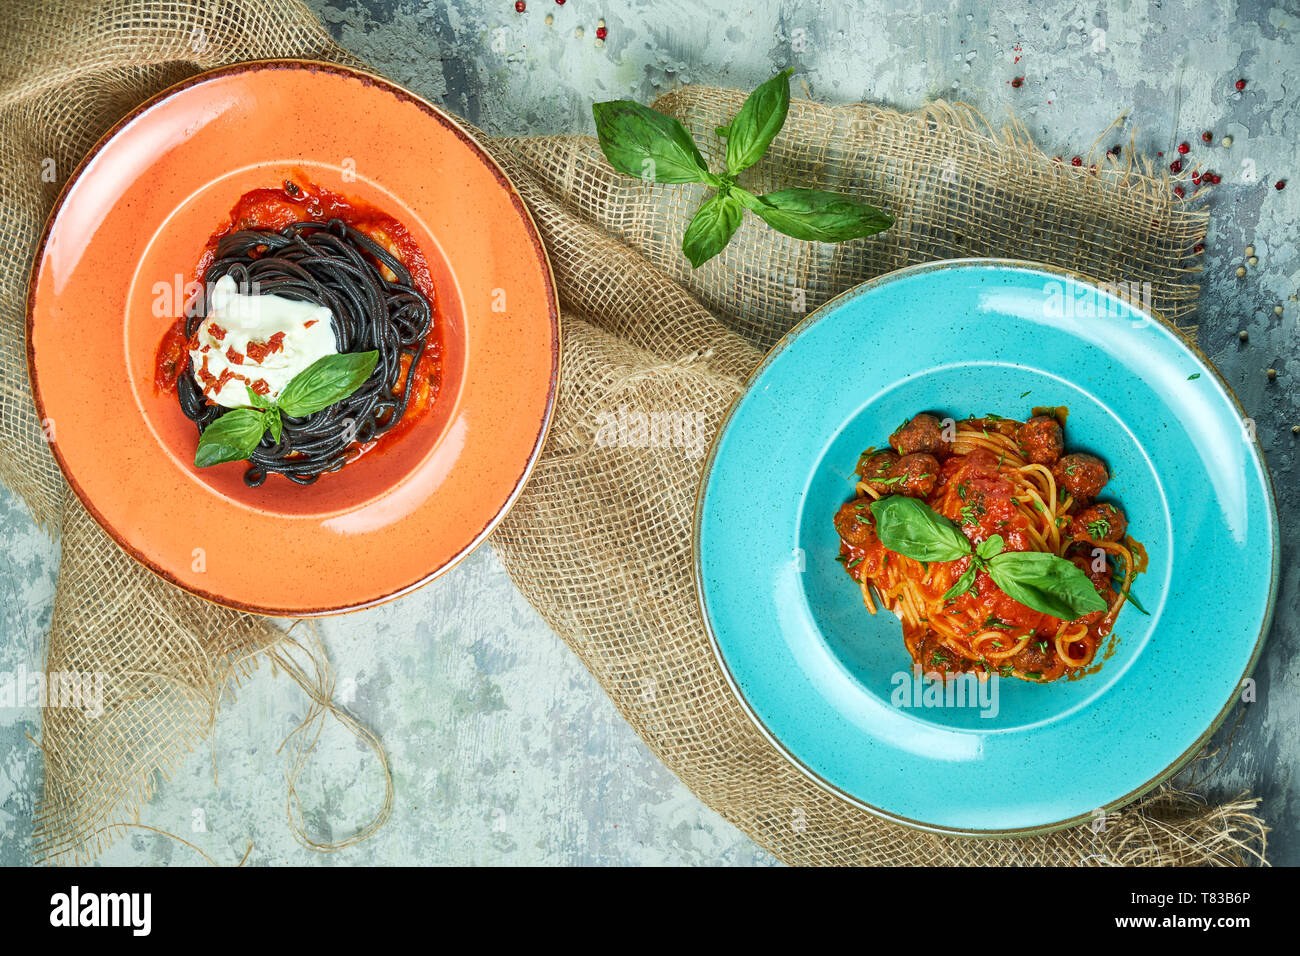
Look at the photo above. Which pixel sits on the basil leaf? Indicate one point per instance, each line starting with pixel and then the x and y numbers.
pixel 645 143
pixel 816 215
pixel 325 381
pixel 759 120
pixel 990 547
pixel 275 424
pixel 964 584
pixel 722 131
pixel 1046 583
pixel 915 530
pixel 711 229
pixel 259 401
pixel 232 437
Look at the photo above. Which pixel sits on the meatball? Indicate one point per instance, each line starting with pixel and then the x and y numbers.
pixel 1037 660
pixel 1099 523
pixel 1081 475
pixel 923 433
pixel 874 466
pixel 917 475
pixel 1042 440
pixel 934 657
pixel 855 524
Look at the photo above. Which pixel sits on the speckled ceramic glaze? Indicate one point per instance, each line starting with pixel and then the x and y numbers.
pixel 824 679
pixel 130 226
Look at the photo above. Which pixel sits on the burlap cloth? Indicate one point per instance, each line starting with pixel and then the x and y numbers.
pixel 600 542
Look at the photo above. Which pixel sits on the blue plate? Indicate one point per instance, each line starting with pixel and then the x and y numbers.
pixel 830 684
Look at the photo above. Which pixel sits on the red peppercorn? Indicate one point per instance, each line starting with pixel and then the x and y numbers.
pixel 1196 179
pixel 1280 184
pixel 1076 161
pixel 1184 148
pixel 1176 166
pixel 1241 84
pixel 1198 248
pixel 1207 137
pixel 601 33
pixel 1018 82
pixel 1178 191
pixel 520 6
pixel 559 3
pixel 1213 179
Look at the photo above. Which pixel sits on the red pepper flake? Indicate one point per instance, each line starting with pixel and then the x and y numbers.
pixel 216 331
pixel 261 387
pixel 1017 82
pixel 1280 185
pixel 206 377
pixel 601 33
pixel 226 376
pixel 1207 137
pixel 309 323
pixel 1241 84
pixel 1184 148
pixel 1076 161
pixel 233 357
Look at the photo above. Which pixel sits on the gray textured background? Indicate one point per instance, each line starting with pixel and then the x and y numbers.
pixel 504 750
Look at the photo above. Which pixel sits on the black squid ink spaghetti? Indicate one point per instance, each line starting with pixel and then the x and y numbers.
pixel 292 267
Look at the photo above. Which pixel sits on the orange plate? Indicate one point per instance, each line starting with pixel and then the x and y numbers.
pixel 133 220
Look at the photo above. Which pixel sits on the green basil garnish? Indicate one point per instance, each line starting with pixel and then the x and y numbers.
pixel 328 380
pixel 325 381
pixel 915 530
pixel 990 547
pixel 1040 581
pixel 232 437
pixel 1046 583
pixel 964 584
pixel 647 144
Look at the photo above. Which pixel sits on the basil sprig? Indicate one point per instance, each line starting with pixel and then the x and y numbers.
pixel 329 379
pixel 650 145
pixel 1041 581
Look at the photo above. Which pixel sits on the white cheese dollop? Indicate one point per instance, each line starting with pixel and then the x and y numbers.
pixel 234 321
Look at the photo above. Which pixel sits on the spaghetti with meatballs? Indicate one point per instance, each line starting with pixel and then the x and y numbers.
pixel 987 540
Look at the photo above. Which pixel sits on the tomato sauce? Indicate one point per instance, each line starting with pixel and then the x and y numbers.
pixel 300 200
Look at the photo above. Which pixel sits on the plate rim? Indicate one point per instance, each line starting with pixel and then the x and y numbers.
pixel 437 114
pixel 784 342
